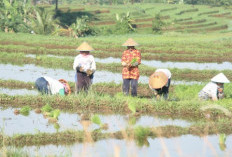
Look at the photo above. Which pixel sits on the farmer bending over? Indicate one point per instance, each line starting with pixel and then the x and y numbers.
pixel 48 85
pixel 214 90
pixel 159 82
pixel 131 58
pixel 85 66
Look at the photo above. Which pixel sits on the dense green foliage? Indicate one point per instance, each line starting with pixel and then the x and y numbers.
pixel 158 24
pixel 14 16
pixel 75 19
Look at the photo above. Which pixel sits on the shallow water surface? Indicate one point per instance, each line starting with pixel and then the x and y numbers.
pixel 18 91
pixel 160 64
pixel 30 72
pixel 183 146
pixel 34 122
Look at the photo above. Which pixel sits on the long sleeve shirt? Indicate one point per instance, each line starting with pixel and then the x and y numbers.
pixel 84 61
pixel 53 85
pixel 127 57
pixel 167 73
pixel 211 90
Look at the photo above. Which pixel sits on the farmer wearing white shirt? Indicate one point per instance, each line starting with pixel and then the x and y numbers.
pixel 214 89
pixel 159 82
pixel 48 85
pixel 85 66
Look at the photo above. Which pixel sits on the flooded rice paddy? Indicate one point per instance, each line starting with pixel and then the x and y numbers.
pixel 33 123
pixel 160 64
pixel 18 91
pixel 183 146
pixel 30 72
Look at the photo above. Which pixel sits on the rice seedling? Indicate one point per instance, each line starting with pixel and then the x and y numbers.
pixel 46 108
pixel 222 140
pixel 56 126
pixel 55 113
pixel 96 120
pixel 141 135
pixel 25 110
pixel 14 152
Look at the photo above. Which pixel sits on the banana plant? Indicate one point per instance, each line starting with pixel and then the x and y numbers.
pixel 42 22
pixel 80 28
pixel 9 17
pixel 125 18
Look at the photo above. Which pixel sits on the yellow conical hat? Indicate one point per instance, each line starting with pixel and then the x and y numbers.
pixel 130 42
pixel 84 47
pixel 158 80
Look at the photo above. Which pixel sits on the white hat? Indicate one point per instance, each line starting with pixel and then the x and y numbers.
pixel 220 78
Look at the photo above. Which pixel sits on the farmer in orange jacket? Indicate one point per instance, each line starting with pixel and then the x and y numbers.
pixel 131 58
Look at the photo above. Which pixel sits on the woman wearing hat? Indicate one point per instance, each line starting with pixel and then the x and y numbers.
pixel 85 66
pixel 48 85
pixel 214 89
pixel 159 82
pixel 131 58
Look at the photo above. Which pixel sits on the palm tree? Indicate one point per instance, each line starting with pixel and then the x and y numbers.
pixel 80 28
pixel 43 21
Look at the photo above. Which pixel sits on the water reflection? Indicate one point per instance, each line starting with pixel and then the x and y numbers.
pixel 18 91
pixel 30 72
pixel 34 122
pixel 160 64
pixel 186 146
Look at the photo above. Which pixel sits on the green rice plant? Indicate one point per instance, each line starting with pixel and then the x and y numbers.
pixel 134 60
pixel 56 126
pixel 222 140
pixel 25 110
pixel 96 120
pixel 46 108
pixel 132 120
pixel 14 152
pixel 141 135
pixel 132 106
pixel 54 114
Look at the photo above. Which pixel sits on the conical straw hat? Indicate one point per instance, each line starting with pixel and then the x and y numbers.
pixel 158 80
pixel 130 42
pixel 84 47
pixel 220 78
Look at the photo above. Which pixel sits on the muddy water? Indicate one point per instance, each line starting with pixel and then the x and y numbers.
pixel 160 64
pixel 17 91
pixel 183 146
pixel 33 123
pixel 30 72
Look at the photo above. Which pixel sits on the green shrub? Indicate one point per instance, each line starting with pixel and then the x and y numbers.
pixel 158 24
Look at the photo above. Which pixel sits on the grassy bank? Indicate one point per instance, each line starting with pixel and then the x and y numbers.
pixel 168 47
pixel 188 107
